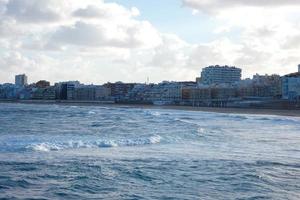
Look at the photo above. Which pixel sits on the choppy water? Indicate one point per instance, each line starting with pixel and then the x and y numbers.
pixel 73 152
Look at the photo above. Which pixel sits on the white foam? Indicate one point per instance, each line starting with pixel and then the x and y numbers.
pixel 155 139
pixel 154 113
pixel 108 143
pixel 45 147
pixel 201 131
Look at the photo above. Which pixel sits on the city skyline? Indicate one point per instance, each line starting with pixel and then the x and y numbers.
pixel 219 86
pixel 195 79
pixel 131 41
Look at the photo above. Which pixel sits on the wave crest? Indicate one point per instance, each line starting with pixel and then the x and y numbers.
pixel 47 146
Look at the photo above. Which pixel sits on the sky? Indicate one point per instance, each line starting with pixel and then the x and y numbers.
pixel 99 41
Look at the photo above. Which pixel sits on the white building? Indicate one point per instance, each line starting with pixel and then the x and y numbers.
pixel 21 80
pixel 220 74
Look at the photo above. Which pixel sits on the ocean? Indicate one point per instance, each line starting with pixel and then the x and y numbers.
pixel 110 152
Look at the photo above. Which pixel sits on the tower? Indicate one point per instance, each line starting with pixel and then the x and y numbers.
pixel 21 80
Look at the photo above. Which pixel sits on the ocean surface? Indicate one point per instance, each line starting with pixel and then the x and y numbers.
pixel 94 152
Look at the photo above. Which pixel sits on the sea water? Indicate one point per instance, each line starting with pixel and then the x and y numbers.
pixel 110 152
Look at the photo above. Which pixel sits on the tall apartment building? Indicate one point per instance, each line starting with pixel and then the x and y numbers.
pixel 220 74
pixel 21 80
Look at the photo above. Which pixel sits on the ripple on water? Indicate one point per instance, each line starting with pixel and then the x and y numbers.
pixel 65 152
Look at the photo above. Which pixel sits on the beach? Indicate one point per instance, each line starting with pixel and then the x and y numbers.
pixel 256 111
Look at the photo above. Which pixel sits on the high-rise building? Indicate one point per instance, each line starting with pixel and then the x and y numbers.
pixel 220 74
pixel 21 80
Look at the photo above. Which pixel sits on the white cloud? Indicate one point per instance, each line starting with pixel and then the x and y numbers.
pixel 95 41
pixel 61 31
pixel 214 5
pixel 34 11
pixel 264 32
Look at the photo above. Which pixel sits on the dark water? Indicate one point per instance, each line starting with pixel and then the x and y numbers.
pixel 70 152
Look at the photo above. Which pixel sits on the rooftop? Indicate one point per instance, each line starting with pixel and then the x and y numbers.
pixel 225 66
pixel 296 74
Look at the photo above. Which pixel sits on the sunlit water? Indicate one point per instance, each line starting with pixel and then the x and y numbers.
pixel 74 152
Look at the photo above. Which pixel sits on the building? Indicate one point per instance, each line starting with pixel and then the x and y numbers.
pixel 38 93
pixel 84 93
pixel 49 93
pixel 196 94
pixel 223 92
pixel 172 92
pixel 91 93
pixel 21 80
pixel 71 90
pixel 102 93
pixel 139 93
pixel 65 90
pixel 42 84
pixel 8 91
pixel 43 93
pixel 261 86
pixel 220 74
pixel 291 86
pixel 119 90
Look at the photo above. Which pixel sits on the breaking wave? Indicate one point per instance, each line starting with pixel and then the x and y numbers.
pixel 56 146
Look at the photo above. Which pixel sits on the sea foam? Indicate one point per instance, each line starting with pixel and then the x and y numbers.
pixel 71 144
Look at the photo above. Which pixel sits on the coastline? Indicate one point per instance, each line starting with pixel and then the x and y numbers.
pixel 226 110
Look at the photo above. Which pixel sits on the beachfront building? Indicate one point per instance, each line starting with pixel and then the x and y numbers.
pixel 140 93
pixel 25 94
pixel 223 92
pixel 21 80
pixel 172 92
pixel 220 75
pixel 119 91
pixel 155 93
pixel 291 86
pixel 84 93
pixel 47 93
pixel 65 90
pixel 42 84
pixel 102 93
pixel 196 95
pixel 8 91
pixel 166 92
pixel 91 93
pixel 261 86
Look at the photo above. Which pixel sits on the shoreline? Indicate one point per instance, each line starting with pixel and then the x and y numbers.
pixel 226 110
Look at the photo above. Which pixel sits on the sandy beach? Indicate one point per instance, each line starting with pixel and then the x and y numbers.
pixel 257 111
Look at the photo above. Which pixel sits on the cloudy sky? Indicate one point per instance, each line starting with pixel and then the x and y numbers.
pixel 95 41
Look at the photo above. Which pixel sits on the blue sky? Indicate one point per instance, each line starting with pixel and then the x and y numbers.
pixel 171 16
pixel 95 41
